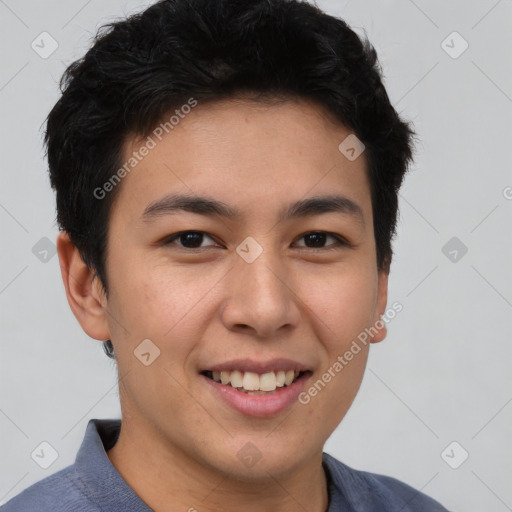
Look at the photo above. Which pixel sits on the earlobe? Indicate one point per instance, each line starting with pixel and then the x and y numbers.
pixel 83 290
pixel 379 330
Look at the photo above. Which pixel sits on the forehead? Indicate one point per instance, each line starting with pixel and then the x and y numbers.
pixel 246 154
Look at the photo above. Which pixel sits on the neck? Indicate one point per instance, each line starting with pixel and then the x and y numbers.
pixel 162 475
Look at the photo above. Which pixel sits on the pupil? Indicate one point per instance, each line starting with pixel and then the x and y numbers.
pixel 318 238
pixel 192 238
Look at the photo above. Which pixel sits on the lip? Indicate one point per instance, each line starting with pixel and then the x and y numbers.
pixel 259 406
pixel 249 365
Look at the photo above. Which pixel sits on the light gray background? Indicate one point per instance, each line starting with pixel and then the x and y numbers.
pixel 442 375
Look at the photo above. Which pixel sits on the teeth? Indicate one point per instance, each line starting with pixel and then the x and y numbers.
pixel 253 382
pixel 288 379
pixel 268 381
pixel 236 379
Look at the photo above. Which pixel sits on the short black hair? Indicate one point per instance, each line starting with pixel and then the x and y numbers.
pixel 141 68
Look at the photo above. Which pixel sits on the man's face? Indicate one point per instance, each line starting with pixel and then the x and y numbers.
pixel 254 293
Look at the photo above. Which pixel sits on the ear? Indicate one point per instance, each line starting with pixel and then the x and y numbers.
pixel 84 291
pixel 382 299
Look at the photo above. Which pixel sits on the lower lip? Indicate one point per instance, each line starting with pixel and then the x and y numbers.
pixel 260 406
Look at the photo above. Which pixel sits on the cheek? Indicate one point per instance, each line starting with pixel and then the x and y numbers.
pixel 155 299
pixel 342 302
pixel 342 307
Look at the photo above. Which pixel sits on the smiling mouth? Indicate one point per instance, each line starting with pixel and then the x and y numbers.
pixel 252 383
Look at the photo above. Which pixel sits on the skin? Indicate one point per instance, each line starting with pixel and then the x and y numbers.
pixel 178 443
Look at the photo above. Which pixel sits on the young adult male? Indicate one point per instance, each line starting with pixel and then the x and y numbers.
pixel 226 175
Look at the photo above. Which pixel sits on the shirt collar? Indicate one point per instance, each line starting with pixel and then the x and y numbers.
pixel 107 487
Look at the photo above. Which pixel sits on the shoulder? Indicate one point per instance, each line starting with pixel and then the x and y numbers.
pixel 369 491
pixel 60 492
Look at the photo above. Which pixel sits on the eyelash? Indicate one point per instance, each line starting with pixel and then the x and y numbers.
pixel 340 242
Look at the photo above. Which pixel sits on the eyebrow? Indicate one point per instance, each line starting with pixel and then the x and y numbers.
pixel 209 207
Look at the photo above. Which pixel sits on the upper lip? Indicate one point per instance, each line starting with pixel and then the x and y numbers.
pixel 251 365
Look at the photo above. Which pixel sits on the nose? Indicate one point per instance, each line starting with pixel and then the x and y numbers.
pixel 259 298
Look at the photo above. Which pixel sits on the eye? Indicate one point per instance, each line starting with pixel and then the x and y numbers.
pixel 318 238
pixel 315 240
pixel 188 239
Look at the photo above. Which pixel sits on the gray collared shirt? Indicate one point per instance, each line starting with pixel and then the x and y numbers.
pixel 93 484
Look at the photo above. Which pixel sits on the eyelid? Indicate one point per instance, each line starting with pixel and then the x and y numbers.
pixel 340 241
pixel 169 240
